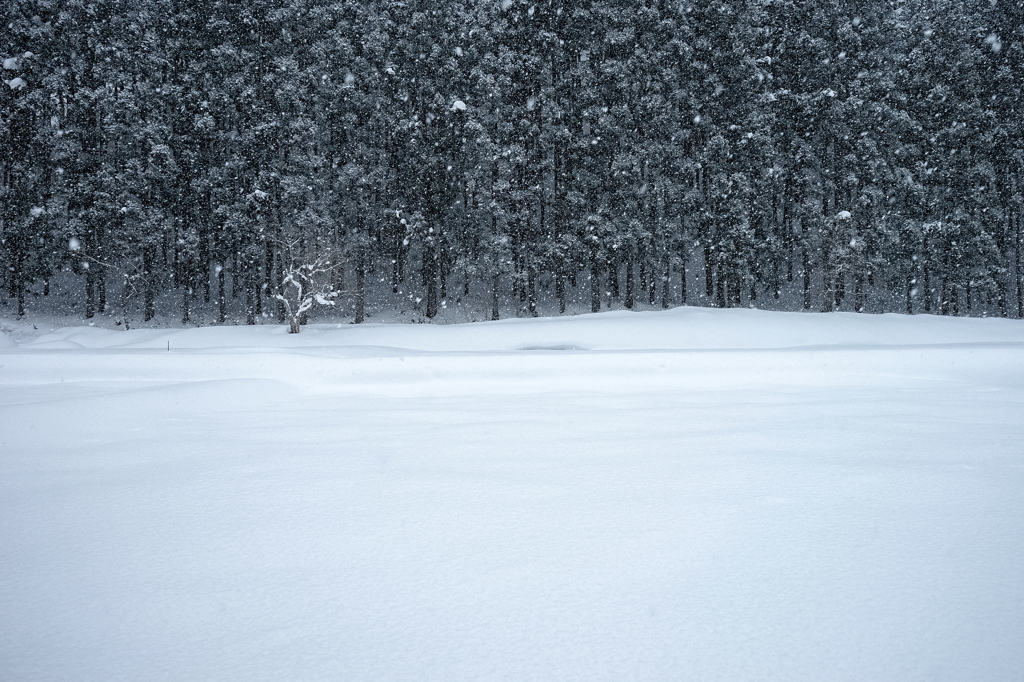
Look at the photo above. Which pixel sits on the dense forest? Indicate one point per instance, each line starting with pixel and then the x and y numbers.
pixel 820 154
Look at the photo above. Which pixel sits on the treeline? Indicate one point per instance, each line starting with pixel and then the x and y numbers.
pixel 835 148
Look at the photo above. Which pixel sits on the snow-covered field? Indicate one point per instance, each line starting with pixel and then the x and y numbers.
pixel 682 495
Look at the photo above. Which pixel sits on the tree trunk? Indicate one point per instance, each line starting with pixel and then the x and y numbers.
pixel 595 286
pixel 805 264
pixel 682 279
pixel 268 288
pixel 360 302
pixel 494 298
pixel 709 272
pixel 204 260
pixel 430 279
pixel 250 293
pixel 20 281
pixel 531 284
pixel 101 288
pixel 279 283
pixel 125 300
pixel 90 292
pixel 1019 274
pixel 560 289
pixel 927 290
pixel 665 283
pixel 186 292
pixel 149 308
pixel 222 300
pixel 629 284
pixel 394 270
pixel 828 283
pixel 442 272
pixel 651 283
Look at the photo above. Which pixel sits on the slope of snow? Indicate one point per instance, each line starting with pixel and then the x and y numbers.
pixel 697 494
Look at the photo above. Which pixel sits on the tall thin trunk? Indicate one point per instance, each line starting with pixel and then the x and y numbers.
pixel 494 298
pixel 1019 274
pixel 595 286
pixel 279 282
pixel 251 299
pixel 186 294
pixel 805 265
pixel 927 290
pixel 90 292
pixel 531 283
pixel 682 280
pixel 204 260
pixel 149 308
pixel 222 299
pixel 256 281
pixel 442 272
pixel 430 277
pixel 268 288
pixel 360 302
pixel 720 297
pixel 709 271
pixel 560 289
pixel 125 300
pixel 629 284
pixel 651 282
pixel 101 288
pixel 19 278
pixel 665 279
pixel 395 265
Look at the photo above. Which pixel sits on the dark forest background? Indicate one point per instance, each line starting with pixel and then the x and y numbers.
pixel 828 153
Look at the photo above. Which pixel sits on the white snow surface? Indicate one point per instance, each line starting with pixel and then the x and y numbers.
pixel 685 495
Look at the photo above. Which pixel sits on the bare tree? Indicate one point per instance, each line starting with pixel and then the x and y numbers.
pixel 306 282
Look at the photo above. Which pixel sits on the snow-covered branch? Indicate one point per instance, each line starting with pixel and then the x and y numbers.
pixel 306 282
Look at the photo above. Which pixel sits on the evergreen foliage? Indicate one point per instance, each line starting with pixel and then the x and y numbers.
pixel 638 153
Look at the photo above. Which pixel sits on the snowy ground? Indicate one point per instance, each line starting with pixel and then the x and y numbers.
pixel 682 495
